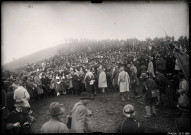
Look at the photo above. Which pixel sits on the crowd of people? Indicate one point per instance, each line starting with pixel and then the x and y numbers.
pixel 124 68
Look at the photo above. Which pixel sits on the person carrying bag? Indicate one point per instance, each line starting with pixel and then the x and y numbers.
pixel 149 99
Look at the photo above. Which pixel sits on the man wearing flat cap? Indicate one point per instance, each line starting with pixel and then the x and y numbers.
pixel 55 124
pixel 130 125
pixel 81 115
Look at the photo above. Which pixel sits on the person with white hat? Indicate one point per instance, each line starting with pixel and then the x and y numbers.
pixel 130 125
pixel 55 123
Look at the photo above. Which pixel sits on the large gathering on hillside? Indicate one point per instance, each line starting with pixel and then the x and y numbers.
pixel 159 67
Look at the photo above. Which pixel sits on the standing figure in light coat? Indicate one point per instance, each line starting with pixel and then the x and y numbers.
pixel 123 81
pixel 102 81
pixel 81 115
pixel 21 94
pixel 150 67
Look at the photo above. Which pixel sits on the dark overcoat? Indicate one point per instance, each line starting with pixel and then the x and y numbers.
pixel 76 81
pixel 148 86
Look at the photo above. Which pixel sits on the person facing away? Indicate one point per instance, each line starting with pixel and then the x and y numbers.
pixel 130 124
pixel 55 123
pixel 124 83
pixel 21 93
pixel 81 115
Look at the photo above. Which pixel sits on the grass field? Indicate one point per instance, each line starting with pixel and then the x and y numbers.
pixel 107 113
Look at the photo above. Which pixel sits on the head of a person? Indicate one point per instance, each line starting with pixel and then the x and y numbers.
pixel 181 76
pixel 85 97
pixel 129 111
pixel 17 82
pixel 77 68
pixel 25 78
pixel 143 63
pixel 150 58
pixel 157 72
pixel 121 68
pixel 56 111
pixel 144 76
pixel 43 75
pixel 19 104
pixel 88 69
pixel 10 89
pixel 92 68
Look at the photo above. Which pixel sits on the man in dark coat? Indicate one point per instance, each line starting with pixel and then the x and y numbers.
pixel 90 80
pixel 143 68
pixel 76 82
pixel 10 100
pixel 161 82
pixel 161 65
pixel 134 84
pixel 115 78
pixel 30 88
pixel 149 101
pixel 45 85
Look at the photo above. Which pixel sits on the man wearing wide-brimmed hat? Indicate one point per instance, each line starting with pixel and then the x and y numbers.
pixel 130 125
pixel 55 124
pixel 81 115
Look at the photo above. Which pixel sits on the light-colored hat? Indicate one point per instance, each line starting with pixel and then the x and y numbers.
pixel 128 109
pixel 55 109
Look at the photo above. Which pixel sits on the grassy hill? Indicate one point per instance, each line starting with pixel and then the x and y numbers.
pixel 35 57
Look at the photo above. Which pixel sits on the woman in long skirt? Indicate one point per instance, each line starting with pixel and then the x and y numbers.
pixel 63 83
pixel 52 84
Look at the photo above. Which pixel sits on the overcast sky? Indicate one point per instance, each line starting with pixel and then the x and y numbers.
pixel 27 29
